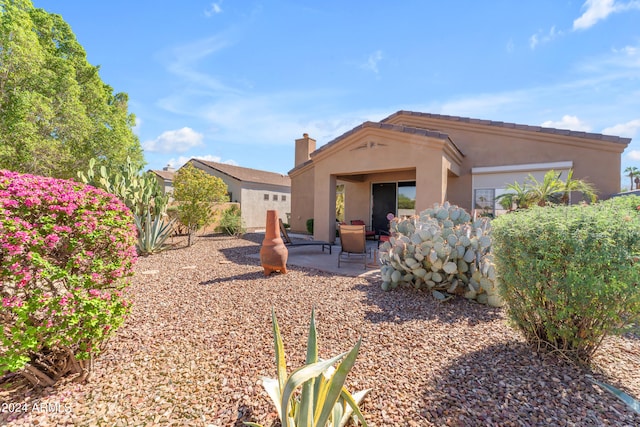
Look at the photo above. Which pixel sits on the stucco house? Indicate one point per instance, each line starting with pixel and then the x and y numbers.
pixel 410 160
pixel 256 190
pixel 165 178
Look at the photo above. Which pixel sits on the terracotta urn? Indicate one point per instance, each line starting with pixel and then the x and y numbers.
pixel 273 253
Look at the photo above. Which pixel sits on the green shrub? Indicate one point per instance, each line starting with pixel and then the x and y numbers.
pixel 632 203
pixel 231 222
pixel 570 274
pixel 310 225
pixel 66 252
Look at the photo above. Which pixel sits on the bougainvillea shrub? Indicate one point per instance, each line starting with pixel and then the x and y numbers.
pixel 66 251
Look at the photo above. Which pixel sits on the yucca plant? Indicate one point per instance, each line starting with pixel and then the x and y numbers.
pixel 323 400
pixel 152 233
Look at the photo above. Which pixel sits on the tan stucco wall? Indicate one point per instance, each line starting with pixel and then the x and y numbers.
pixel 302 204
pixel 374 150
pixel 357 201
pixel 254 207
pixel 596 161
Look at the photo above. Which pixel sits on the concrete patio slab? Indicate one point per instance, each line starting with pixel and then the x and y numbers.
pixel 314 257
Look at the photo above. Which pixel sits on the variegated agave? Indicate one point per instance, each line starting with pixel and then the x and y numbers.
pixel 152 233
pixel 323 400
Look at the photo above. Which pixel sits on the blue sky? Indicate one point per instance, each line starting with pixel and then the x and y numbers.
pixel 238 81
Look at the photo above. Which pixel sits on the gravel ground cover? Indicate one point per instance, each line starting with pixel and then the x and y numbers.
pixel 199 338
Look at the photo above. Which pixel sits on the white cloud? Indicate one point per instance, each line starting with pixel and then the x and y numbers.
pixel 179 141
pixel 372 62
pixel 634 155
pixel 183 60
pixel 628 129
pixel 177 163
pixel 542 37
pixel 568 122
pixel 213 9
pixel 622 63
pixel 597 10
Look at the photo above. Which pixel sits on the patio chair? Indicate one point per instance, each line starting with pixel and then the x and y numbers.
pixel 368 233
pixel 288 242
pixel 352 242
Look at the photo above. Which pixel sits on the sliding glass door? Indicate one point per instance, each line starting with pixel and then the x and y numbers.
pixel 396 198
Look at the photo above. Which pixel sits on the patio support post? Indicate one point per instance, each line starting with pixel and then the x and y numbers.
pixel 429 184
pixel 332 208
pixel 324 210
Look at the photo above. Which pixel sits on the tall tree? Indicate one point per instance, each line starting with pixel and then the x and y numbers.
pixel 55 111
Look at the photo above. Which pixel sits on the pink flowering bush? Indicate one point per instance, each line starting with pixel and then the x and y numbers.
pixel 66 250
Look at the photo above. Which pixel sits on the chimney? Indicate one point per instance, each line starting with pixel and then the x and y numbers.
pixel 304 147
pixel 168 168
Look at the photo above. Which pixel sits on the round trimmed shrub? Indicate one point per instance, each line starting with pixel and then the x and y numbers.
pixel 66 250
pixel 570 274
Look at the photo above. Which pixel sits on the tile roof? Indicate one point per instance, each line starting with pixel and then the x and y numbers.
pixel 539 129
pixel 248 174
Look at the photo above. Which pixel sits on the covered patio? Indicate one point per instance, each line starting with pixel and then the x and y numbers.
pixel 379 165
pixel 315 258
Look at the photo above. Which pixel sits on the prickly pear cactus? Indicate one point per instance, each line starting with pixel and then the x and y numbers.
pixel 441 249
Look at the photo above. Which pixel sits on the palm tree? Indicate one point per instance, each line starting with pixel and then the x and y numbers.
pixel 632 172
pixel 586 188
pixel 543 192
pixel 517 194
pixel 551 189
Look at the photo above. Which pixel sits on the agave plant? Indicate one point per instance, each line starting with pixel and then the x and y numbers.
pixel 630 401
pixel 152 233
pixel 323 400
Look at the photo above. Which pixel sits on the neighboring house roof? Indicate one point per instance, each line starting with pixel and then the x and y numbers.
pixel 166 175
pixel 538 129
pixel 248 174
